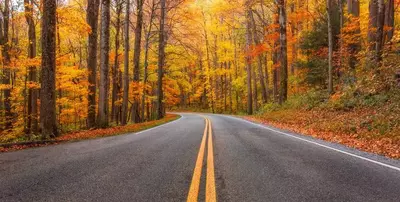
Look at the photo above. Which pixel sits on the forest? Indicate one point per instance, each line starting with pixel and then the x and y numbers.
pixel 326 67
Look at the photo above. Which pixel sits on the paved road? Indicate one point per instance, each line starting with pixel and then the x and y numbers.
pixel 251 163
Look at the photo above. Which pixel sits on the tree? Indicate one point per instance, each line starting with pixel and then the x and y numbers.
pixel 146 58
pixel 126 66
pixel 380 31
pixel 353 7
pixel 5 48
pixel 283 52
pixel 32 125
pixel 115 69
pixel 373 23
pixel 161 62
pixel 102 121
pixel 48 74
pixel 330 41
pixel 389 19
pixel 136 58
pixel 92 16
pixel 248 62
pixel 264 89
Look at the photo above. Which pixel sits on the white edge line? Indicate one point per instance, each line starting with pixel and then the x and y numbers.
pixel 147 130
pixel 318 144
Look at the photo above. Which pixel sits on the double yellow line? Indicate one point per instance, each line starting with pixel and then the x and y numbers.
pixel 210 177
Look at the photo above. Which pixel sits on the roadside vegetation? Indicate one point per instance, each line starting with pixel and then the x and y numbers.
pixel 88 134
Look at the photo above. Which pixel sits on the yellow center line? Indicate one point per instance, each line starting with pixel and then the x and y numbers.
pixel 210 180
pixel 195 185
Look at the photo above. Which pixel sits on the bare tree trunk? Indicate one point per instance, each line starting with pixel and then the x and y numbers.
pixel 283 52
pixel 48 75
pixel 124 118
pixel 161 62
pixel 136 58
pixel 330 42
pixel 102 121
pixel 115 88
pixel 248 62
pixel 32 126
pixel 92 20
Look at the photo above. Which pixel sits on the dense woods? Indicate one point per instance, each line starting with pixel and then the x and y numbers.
pixel 102 63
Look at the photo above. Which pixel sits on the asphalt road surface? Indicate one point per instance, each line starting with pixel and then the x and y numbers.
pixel 199 157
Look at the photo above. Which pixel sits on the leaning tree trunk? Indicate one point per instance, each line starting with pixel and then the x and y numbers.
pixel 92 20
pixel 48 75
pixel 102 121
pixel 283 52
pixel 161 62
pixel 32 126
pixel 136 59
pixel 248 62
pixel 125 98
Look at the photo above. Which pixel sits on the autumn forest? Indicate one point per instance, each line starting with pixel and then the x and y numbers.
pixel 326 67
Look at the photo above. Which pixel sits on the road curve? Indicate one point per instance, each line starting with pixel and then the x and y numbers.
pixel 251 163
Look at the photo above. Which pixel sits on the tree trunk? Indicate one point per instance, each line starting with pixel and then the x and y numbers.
pixel 207 83
pixel 373 23
pixel 115 87
pixel 389 20
pixel 124 118
pixel 48 75
pixel 293 33
pixel 146 61
pixel 283 52
pixel 248 62
pixel 6 77
pixel 353 7
pixel 275 59
pixel 136 58
pixel 32 125
pixel 260 61
pixel 161 62
pixel 341 22
pixel 380 31
pixel 102 121
pixel 330 42
pixel 92 20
